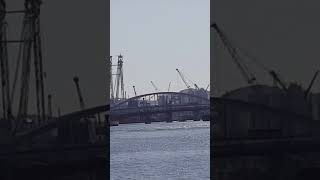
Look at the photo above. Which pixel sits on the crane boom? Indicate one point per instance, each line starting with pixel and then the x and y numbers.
pixel 310 85
pixel 196 86
pixel 183 79
pixel 207 86
pixel 276 77
pixel 76 81
pixel 134 90
pixel 155 87
pixel 235 56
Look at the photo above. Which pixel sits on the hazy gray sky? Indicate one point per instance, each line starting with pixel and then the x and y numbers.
pixel 283 35
pixel 156 37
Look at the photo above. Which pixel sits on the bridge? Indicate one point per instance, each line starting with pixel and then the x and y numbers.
pixel 82 136
pixel 69 145
pixel 160 106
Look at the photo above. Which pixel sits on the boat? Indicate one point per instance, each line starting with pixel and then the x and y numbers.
pixel 114 123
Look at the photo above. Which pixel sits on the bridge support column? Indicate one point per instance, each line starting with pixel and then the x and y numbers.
pixel 169 117
pixel 196 115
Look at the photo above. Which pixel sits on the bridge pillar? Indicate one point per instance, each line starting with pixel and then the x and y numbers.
pixel 169 117
pixel 73 131
pixel 197 115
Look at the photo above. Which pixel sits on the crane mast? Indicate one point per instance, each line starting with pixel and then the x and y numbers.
pixel 250 79
pixel 6 102
pixel 119 79
pixel 111 80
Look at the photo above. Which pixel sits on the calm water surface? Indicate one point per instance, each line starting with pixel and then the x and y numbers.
pixel 177 150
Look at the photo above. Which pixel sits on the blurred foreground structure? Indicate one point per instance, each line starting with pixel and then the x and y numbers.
pixel 40 145
pixel 264 131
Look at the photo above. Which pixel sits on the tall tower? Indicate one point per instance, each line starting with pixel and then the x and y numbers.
pixel 119 79
pixel 111 79
pixel 4 68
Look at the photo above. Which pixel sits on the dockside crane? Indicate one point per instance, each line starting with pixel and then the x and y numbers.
pixel 29 49
pixel 277 79
pixel 306 93
pixel 207 86
pixel 183 78
pixel 248 76
pixel 155 87
pixel 81 101
pixel 4 67
pixel 134 90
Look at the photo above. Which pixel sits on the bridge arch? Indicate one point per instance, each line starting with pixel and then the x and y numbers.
pixel 162 97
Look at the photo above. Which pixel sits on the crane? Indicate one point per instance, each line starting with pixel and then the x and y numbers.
pixel 134 89
pixel 277 79
pixel 248 76
pixel 306 93
pixel 169 86
pixel 183 79
pixel 76 81
pixel 50 105
pixel 244 70
pixel 196 86
pixel 155 87
pixel 207 86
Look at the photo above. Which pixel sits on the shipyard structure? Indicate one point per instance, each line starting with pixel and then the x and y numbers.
pixel 264 131
pixel 158 106
pixel 35 142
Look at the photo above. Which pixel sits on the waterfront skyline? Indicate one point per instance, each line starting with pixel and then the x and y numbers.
pixel 156 37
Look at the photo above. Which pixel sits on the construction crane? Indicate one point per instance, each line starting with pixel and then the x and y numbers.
pixel 76 81
pixel 119 84
pixel 245 72
pixel 248 76
pixel 196 86
pixel 50 105
pixel 4 67
pixel 30 49
pixel 111 79
pixel 134 90
pixel 306 93
pixel 155 87
pixel 277 79
pixel 207 86
pixel 183 78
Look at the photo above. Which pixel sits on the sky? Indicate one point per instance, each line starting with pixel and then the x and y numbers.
pixel 157 36
pixel 75 42
pixel 282 35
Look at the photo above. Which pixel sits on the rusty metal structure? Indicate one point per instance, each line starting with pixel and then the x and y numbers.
pixel 76 141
